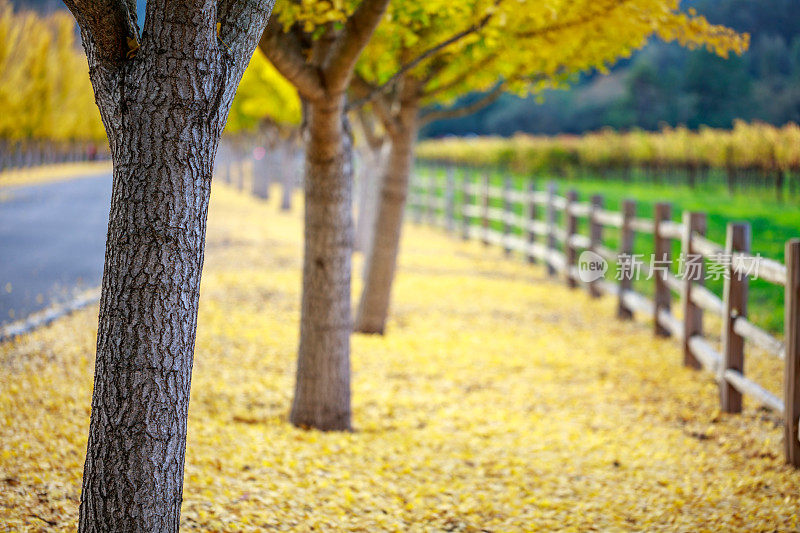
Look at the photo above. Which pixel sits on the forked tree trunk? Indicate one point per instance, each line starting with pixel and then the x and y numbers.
pixel 381 257
pixel 322 391
pixel 163 111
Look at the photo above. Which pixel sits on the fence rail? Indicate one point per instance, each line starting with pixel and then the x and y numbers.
pixel 528 218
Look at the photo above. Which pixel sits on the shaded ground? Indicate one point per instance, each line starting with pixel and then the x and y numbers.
pixel 498 401
pixel 52 242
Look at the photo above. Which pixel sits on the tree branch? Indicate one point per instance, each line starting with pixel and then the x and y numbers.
pixel 367 122
pixel 285 53
pixel 461 78
pixel 106 26
pixel 422 57
pixel 572 23
pixel 465 110
pixel 240 22
pixel 345 51
pixel 321 47
pixel 382 109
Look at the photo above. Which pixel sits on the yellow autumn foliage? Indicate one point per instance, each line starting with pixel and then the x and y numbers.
pixel 263 94
pixel 527 44
pixel 45 91
pixel 498 401
pixel 746 146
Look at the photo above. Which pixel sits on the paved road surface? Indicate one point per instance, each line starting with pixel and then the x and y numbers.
pixel 52 242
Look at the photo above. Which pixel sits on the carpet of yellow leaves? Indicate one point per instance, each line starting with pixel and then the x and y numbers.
pixel 498 401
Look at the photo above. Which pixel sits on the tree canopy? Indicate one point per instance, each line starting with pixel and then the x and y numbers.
pixel 452 49
pixel 666 84
pixel 263 94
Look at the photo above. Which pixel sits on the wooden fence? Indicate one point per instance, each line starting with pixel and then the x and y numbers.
pixel 467 206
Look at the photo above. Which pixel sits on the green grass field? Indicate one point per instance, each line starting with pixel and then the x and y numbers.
pixel 772 222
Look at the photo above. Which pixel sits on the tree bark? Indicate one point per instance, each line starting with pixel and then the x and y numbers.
pixel 163 111
pixel 381 257
pixel 322 391
pixel 321 71
pixel 367 198
pixel 288 178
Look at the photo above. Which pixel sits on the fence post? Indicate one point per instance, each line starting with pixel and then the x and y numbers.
pixel 570 229
pixel 531 218
pixel 431 199
pixel 792 339
pixel 485 208
pixel 551 226
pixel 449 198
pixel 287 187
pixel 415 196
pixel 692 273
pixel 466 203
pixel 662 254
pixel 626 267
pixel 508 212
pixel 734 304
pixel 595 237
pixel 425 194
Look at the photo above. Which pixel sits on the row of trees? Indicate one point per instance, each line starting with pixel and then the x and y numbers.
pixel 164 95
pixel 766 150
pixel 48 114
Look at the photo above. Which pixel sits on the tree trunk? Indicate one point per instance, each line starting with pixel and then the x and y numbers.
pixel 163 111
pixel 288 178
pixel 261 183
pixel 322 392
pixel 368 194
pixel 381 258
pixel 148 317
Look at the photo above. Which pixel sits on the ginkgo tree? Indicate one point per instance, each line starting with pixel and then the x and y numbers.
pixel 163 94
pixel 410 70
pixel 45 94
pixel 315 45
pixel 424 52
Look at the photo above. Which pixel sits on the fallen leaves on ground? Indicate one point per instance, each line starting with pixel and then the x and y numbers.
pixel 499 400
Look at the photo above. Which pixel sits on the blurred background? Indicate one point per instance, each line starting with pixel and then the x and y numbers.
pixel 712 145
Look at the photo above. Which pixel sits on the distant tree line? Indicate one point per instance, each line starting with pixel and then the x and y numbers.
pixel 749 155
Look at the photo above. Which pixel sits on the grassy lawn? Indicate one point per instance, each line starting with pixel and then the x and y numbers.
pixel 772 222
pixel 498 401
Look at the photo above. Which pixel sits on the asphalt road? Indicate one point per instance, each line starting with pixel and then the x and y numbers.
pixel 52 242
